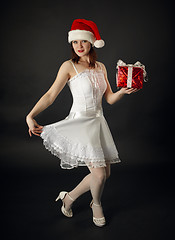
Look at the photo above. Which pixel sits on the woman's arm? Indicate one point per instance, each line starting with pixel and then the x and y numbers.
pixel 111 97
pixel 48 98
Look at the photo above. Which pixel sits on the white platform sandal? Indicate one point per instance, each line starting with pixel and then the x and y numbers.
pixel 100 222
pixel 61 196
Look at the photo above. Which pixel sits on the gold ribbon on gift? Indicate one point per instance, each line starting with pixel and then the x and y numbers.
pixel 120 63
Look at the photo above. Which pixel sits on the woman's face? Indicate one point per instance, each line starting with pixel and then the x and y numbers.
pixel 81 47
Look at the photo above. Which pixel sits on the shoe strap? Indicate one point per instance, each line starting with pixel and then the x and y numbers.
pixel 97 205
pixel 70 197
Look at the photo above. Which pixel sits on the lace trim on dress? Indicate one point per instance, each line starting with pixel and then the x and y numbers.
pixel 75 154
pixel 83 72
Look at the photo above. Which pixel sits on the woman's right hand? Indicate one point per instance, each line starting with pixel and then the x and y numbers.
pixel 34 127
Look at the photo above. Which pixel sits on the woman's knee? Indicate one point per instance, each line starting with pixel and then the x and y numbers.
pixel 99 174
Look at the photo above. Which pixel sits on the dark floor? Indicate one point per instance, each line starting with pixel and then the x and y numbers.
pixel 138 201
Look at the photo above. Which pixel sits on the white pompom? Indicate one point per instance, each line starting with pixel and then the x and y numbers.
pixel 99 43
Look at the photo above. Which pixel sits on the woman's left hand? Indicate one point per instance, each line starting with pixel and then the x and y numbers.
pixel 128 90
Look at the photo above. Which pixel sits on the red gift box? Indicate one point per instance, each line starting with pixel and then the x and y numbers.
pixel 130 75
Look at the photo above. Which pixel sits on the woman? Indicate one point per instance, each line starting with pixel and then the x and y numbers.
pixel 83 138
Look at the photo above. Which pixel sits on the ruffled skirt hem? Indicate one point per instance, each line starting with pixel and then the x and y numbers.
pixel 69 161
pixel 81 142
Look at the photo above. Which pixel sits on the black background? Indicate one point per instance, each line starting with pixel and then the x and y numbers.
pixel 138 198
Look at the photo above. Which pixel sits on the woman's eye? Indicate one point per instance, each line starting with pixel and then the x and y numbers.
pixel 84 41
pixel 75 42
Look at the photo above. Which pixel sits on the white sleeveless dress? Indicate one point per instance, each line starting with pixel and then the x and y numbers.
pixel 83 138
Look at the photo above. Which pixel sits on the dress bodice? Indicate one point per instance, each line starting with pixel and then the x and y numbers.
pixel 87 88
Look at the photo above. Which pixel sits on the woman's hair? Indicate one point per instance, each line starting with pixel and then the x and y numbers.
pixel 92 57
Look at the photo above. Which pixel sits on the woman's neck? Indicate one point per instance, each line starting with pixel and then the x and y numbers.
pixel 84 59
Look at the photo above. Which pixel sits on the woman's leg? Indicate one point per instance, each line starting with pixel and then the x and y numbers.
pixel 98 178
pixel 83 187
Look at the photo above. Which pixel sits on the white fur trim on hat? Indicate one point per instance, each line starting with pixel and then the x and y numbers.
pixel 99 43
pixel 81 35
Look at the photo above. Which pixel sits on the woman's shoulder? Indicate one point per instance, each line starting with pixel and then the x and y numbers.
pixel 66 66
pixel 67 63
pixel 101 65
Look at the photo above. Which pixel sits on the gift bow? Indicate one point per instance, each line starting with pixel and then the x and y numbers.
pixel 137 64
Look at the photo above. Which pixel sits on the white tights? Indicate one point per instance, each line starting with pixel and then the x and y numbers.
pixel 94 182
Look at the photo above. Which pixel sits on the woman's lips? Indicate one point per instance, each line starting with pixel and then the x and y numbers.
pixel 80 51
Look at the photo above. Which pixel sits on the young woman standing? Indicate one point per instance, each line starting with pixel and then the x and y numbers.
pixel 83 138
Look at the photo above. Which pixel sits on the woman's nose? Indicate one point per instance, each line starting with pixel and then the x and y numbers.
pixel 80 44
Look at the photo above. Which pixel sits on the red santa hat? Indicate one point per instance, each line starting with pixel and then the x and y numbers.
pixel 85 30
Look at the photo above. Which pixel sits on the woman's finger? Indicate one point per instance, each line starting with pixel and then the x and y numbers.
pixel 30 133
pixel 37 130
pixel 128 91
pixel 135 90
pixel 37 125
pixel 132 90
pixel 35 133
